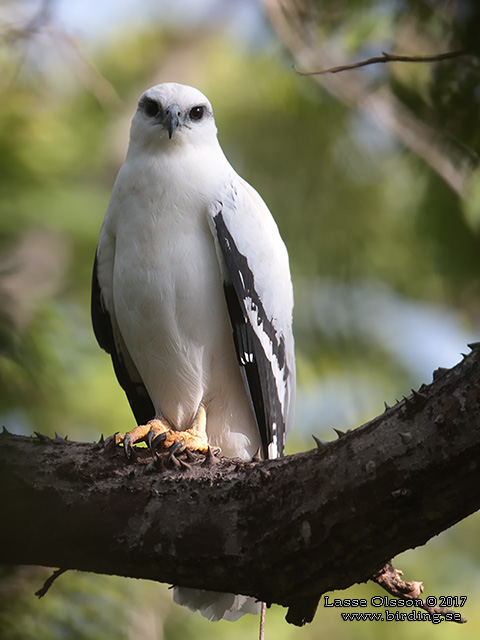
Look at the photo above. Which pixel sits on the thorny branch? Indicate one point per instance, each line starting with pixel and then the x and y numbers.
pixel 284 531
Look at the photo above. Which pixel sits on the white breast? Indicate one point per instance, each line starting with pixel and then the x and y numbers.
pixel 169 304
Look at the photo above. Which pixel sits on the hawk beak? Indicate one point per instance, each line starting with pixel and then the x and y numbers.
pixel 171 121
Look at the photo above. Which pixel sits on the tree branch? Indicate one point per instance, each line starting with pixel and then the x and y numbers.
pixel 296 26
pixel 385 57
pixel 391 580
pixel 285 531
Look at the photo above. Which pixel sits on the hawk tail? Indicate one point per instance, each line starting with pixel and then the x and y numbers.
pixel 215 605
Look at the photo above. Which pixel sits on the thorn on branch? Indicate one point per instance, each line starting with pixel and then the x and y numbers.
pixel 438 373
pixel 391 580
pixel 42 437
pixel 185 466
pixel 385 57
pixel 419 397
pixel 256 456
pixel 414 403
pixel 172 461
pixel 321 444
pixel 210 458
pixel 190 456
pixel 48 582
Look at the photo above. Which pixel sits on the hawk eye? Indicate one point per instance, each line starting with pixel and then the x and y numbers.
pixel 151 107
pixel 196 113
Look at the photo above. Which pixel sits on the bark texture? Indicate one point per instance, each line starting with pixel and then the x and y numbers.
pixel 285 531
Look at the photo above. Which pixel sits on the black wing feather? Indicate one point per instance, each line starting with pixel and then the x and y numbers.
pixel 127 374
pixel 257 370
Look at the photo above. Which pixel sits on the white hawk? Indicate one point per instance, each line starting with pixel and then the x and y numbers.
pixel 192 297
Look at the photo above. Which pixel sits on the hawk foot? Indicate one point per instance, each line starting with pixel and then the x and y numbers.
pixel 157 433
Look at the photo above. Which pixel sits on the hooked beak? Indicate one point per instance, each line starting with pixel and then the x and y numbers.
pixel 171 121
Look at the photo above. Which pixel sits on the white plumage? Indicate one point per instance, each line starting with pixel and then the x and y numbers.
pixel 191 290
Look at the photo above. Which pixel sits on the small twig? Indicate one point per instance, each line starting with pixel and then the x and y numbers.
pixel 390 579
pixel 385 57
pixel 49 581
pixel 261 635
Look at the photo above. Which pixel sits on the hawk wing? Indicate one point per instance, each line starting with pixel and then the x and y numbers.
pixel 110 339
pixel 258 291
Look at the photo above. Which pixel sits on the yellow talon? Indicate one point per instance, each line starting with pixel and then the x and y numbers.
pixel 158 432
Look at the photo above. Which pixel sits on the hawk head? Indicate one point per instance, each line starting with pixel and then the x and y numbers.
pixel 170 115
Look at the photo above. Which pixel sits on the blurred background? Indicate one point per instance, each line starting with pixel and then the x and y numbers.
pixel 372 176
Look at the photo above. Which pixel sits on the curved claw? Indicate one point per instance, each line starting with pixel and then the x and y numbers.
pixel 174 448
pixel 128 448
pixel 154 440
pixel 110 442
